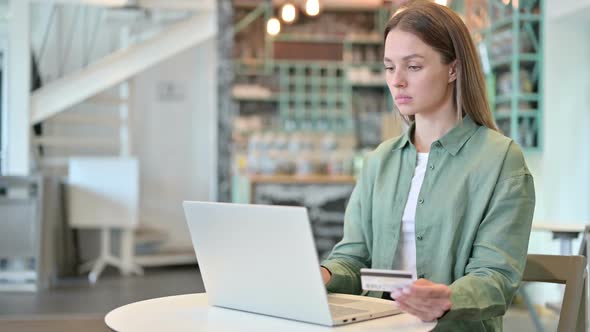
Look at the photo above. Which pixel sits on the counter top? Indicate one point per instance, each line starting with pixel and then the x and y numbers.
pixel 302 179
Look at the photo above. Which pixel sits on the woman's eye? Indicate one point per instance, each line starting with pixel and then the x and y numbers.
pixel 414 68
pixel 389 68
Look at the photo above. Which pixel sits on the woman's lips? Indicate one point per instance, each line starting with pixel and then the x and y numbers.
pixel 403 99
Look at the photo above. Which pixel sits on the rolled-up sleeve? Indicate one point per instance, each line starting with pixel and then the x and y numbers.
pixel 495 267
pixel 352 252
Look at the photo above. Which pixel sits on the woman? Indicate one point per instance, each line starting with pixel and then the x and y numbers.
pixel 452 199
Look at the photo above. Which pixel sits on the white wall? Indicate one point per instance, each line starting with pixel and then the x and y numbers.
pixel 176 136
pixel 564 9
pixel 562 169
pixel 4 65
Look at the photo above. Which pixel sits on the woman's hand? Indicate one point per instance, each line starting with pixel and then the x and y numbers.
pixel 424 299
pixel 326 275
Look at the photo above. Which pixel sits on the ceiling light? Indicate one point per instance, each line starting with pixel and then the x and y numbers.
pixel 312 7
pixel 441 2
pixel 288 13
pixel 273 26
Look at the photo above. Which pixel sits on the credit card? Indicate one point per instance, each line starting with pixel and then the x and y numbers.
pixel 385 280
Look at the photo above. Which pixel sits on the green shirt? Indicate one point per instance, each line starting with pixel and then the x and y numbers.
pixel 473 221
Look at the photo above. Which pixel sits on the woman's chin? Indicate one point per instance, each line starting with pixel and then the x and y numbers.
pixel 406 111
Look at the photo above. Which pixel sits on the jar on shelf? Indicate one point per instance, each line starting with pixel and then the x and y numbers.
pixel 303 164
pixel 284 163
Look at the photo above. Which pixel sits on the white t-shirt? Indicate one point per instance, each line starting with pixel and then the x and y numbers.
pixel 405 257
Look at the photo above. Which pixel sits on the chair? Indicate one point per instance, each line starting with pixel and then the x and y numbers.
pixel 21 233
pixel 103 193
pixel 585 251
pixel 584 247
pixel 568 270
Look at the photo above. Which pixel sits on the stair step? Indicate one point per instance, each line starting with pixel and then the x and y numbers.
pixel 77 142
pixel 106 100
pixel 88 119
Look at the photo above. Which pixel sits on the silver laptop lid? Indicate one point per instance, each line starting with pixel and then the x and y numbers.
pixel 259 258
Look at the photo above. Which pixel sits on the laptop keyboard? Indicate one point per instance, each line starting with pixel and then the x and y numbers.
pixel 337 300
pixel 338 310
pixel 344 307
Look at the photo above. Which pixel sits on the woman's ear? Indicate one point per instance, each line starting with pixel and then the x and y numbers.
pixel 453 71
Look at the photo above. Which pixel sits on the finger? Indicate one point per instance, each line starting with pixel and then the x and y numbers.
pixel 430 291
pixel 423 282
pixel 427 303
pixel 434 306
pixel 419 293
pixel 416 307
pixel 411 310
pixel 401 293
pixel 422 315
pixel 427 314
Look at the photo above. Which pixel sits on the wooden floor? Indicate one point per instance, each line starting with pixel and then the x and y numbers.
pixel 55 324
pixel 75 305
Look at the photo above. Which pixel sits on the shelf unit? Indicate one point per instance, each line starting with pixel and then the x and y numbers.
pixel 512 33
pixel 315 94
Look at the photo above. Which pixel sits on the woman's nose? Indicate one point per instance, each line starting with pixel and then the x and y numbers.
pixel 399 80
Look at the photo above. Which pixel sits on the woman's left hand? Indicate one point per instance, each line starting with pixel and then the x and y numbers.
pixel 424 299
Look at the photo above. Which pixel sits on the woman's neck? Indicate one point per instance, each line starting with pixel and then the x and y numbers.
pixel 432 126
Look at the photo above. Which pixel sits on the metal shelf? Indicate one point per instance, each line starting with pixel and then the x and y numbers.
pixel 502 99
pixel 371 65
pixel 506 60
pixel 368 41
pixel 309 39
pixel 272 99
pixel 368 84
pixel 524 25
pixel 505 22
pixel 532 113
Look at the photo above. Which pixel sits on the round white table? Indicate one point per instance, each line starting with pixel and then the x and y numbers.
pixel 192 313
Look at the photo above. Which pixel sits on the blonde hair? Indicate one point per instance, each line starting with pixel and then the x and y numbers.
pixel 443 30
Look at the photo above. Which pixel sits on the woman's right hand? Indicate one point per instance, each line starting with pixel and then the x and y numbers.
pixel 326 275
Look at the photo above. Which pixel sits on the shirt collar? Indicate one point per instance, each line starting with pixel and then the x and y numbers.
pixel 452 141
pixel 403 140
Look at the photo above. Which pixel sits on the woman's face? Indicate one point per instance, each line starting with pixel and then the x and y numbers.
pixel 418 80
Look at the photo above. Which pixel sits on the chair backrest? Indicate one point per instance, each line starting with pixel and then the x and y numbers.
pixel 568 270
pixel 103 192
pixel 584 244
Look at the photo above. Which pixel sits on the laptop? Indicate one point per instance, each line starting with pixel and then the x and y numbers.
pixel 262 259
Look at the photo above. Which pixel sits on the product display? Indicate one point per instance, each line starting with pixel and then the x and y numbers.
pixel 509 33
pixel 295 113
pixel 300 154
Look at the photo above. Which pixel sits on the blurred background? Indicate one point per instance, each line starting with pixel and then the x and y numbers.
pixel 112 112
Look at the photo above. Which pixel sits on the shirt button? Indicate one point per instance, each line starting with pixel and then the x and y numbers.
pixel 420 237
pixel 437 144
pixel 421 201
pixel 421 276
pixel 431 166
